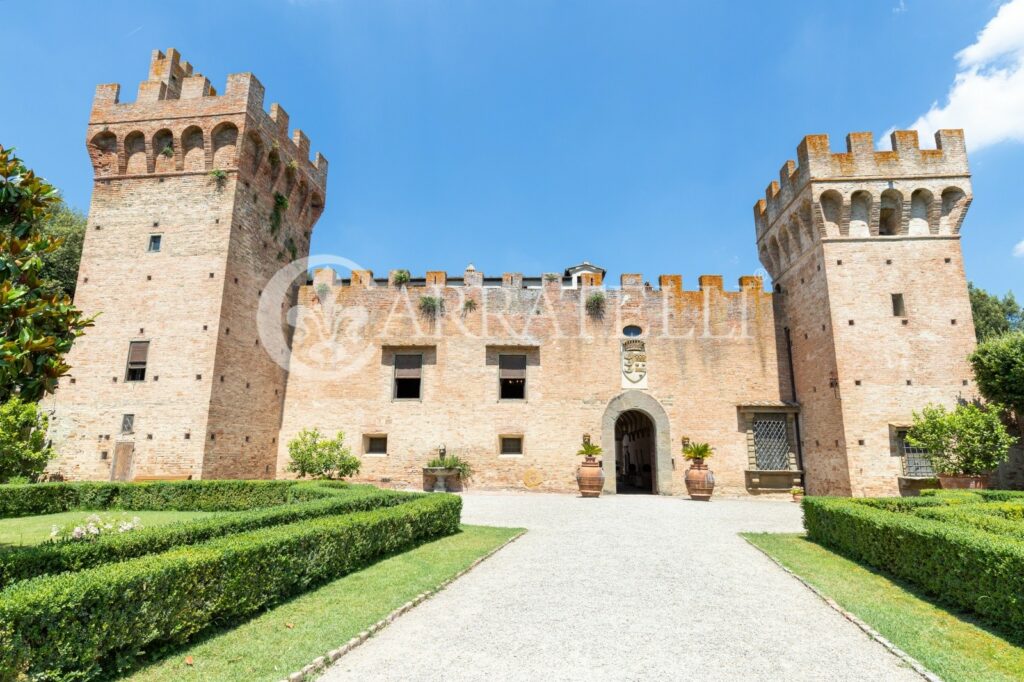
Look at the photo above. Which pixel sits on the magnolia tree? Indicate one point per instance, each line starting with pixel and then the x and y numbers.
pixel 314 455
pixel 38 323
pixel 971 440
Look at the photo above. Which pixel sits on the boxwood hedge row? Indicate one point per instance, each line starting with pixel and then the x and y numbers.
pixel 999 518
pixel 58 557
pixel 53 498
pixel 90 623
pixel 961 565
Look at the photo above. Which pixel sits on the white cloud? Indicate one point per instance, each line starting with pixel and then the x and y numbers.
pixel 1018 250
pixel 987 95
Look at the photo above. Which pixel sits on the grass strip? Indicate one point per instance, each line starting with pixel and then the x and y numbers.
pixel 952 645
pixel 287 637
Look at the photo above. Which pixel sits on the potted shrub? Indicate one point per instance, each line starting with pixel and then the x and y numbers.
pixel 700 481
pixel 589 474
pixel 445 466
pixel 964 445
pixel 797 492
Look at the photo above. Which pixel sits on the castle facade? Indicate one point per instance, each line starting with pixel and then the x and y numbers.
pixel 213 350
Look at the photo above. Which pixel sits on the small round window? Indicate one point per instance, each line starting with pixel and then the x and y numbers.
pixel 632 330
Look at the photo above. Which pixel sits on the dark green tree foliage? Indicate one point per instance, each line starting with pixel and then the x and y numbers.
pixel 38 323
pixel 994 316
pixel 998 365
pixel 60 267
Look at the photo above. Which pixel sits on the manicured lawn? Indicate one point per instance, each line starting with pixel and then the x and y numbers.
pixel 949 644
pixel 32 530
pixel 287 637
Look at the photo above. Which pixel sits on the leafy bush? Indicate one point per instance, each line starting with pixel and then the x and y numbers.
pixel 970 440
pixel 698 451
pixel 958 563
pixel 431 306
pixel 165 599
pixel 595 304
pixel 58 557
pixel 313 455
pixel 589 449
pixel 401 278
pixel 24 451
pixel 999 369
pixel 53 498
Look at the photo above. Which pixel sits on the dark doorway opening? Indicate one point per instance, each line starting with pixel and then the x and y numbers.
pixel 634 453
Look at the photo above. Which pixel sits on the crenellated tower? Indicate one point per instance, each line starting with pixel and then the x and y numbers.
pixel 198 199
pixel 864 251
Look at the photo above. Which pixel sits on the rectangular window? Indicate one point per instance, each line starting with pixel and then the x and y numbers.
pixel 154 243
pixel 511 445
pixel 512 377
pixel 915 460
pixel 138 353
pixel 128 423
pixel 376 445
pixel 408 376
pixel 899 309
pixel 771 442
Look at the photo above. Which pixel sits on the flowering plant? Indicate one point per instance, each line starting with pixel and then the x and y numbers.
pixel 94 527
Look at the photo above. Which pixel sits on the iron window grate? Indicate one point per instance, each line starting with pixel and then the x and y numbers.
pixel 771 444
pixel 915 460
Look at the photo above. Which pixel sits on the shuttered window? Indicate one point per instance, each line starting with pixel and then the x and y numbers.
pixel 512 377
pixel 408 376
pixel 138 353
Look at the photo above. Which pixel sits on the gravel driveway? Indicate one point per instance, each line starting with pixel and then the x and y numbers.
pixel 624 587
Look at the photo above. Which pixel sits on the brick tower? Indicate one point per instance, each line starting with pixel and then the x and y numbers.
pixel 198 199
pixel 871 298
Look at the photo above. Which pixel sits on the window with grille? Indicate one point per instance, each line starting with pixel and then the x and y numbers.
pixel 138 353
pixel 408 376
pixel 915 460
pixel 377 445
pixel 512 377
pixel 128 423
pixel 511 445
pixel 771 442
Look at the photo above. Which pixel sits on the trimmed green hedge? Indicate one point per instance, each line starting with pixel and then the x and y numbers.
pixel 960 564
pixel 1001 518
pixel 976 495
pixel 58 557
pixel 95 622
pixel 53 498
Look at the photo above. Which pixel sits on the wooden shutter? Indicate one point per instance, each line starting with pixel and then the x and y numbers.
pixel 122 469
pixel 138 351
pixel 511 366
pixel 408 366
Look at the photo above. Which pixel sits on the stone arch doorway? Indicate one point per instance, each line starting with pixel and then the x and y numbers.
pixel 638 409
pixel 634 453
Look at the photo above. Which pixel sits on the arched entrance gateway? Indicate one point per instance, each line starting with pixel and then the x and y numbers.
pixel 637 445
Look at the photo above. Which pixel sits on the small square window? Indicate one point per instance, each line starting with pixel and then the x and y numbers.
pixel 154 243
pixel 127 423
pixel 511 445
pixel 376 445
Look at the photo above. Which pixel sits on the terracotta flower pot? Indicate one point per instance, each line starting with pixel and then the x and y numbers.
pixel 797 497
pixel 590 477
pixel 959 482
pixel 700 481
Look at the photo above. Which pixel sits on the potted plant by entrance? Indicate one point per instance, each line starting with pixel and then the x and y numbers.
pixel 965 445
pixel 446 466
pixel 797 492
pixel 700 481
pixel 590 475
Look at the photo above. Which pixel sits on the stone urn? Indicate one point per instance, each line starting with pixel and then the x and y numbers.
pixel 700 481
pixel 962 482
pixel 590 477
pixel 440 475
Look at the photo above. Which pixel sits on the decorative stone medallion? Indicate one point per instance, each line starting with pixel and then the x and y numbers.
pixel 532 478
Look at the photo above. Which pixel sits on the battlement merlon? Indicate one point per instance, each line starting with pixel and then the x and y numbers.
pixel 175 91
pixel 861 161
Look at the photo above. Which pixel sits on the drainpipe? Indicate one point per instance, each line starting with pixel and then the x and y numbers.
pixel 796 417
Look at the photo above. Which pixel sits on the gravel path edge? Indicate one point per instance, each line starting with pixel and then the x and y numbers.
pixel 319 664
pixel 874 634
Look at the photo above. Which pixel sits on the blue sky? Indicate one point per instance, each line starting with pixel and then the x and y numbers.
pixel 528 135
